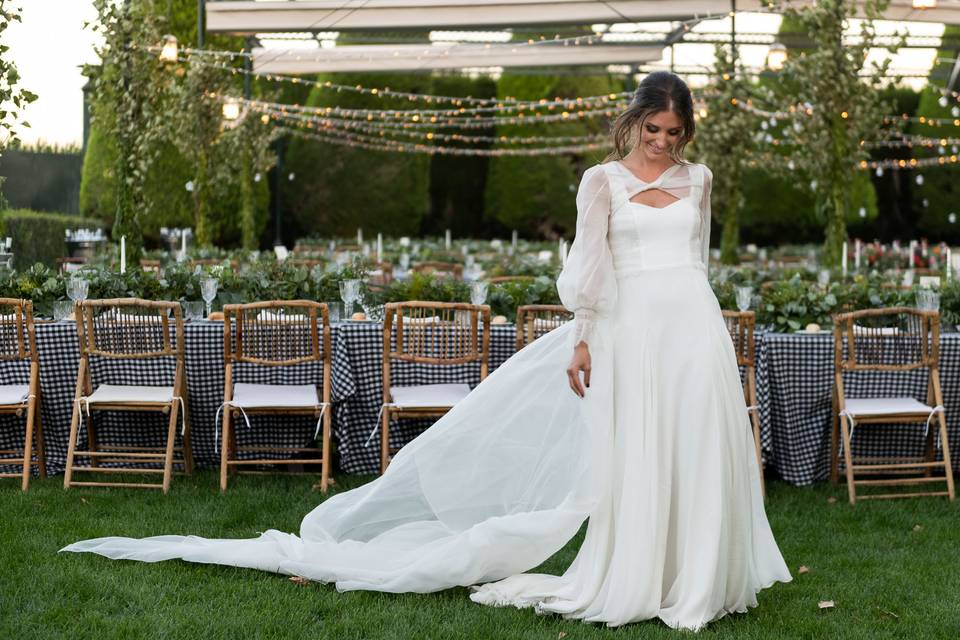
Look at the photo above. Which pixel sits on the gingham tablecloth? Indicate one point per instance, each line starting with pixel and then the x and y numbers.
pixel 794 382
pixel 59 359
pixel 794 387
pixel 358 383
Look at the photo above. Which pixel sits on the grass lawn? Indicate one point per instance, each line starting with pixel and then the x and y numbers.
pixel 891 567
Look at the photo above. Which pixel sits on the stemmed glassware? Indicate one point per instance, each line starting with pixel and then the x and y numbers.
pixel 349 293
pixel 928 300
pixel 208 290
pixel 77 289
pixel 478 292
pixel 744 296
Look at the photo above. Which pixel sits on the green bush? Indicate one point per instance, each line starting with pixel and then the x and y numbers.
pixel 39 237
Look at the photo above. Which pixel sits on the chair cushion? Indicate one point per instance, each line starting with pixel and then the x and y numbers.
pixel 885 406
pixel 250 396
pixel 14 393
pixel 122 393
pixel 429 395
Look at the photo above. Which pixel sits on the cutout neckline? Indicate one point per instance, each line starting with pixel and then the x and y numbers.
pixel 662 173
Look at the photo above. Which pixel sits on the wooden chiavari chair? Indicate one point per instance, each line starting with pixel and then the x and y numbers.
pixel 275 334
pixel 381 274
pixel 151 266
pixel 213 262
pixel 309 249
pixel 18 344
pixel 431 333
pixel 441 269
pixel 536 320
pixel 69 265
pixel 502 279
pixel 895 339
pixel 740 325
pixel 135 330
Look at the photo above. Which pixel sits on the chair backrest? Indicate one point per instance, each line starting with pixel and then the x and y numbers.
pixel 309 263
pixel 130 328
pixel 444 269
pixel 381 273
pixel 740 325
pixel 536 320
pixel 18 339
pixel 150 266
pixel 276 333
pixel 67 265
pixel 302 248
pixel 887 339
pixel 444 333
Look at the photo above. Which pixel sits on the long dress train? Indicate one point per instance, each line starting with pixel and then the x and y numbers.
pixel 658 455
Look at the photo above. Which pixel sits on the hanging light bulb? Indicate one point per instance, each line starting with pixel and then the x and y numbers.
pixel 231 109
pixel 776 56
pixel 863 212
pixel 952 218
pixel 943 101
pixel 919 179
pixel 955 112
pixel 169 51
pixel 879 172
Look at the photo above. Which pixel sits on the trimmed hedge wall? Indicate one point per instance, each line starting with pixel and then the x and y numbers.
pixel 40 237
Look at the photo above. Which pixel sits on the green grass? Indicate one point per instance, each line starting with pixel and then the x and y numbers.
pixel 892 568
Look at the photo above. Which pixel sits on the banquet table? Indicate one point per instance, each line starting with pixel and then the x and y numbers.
pixel 356 393
pixel 794 390
pixel 794 382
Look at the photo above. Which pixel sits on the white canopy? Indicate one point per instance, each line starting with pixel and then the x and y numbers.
pixel 249 17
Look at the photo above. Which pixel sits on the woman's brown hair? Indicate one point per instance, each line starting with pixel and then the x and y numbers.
pixel 659 91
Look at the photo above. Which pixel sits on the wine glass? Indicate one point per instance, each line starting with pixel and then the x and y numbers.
pixel 478 292
pixel 349 293
pixel 744 295
pixel 77 289
pixel 208 290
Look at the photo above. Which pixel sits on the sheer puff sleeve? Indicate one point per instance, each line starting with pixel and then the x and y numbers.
pixel 705 216
pixel 587 285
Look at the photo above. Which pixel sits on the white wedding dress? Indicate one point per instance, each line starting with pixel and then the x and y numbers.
pixel 658 456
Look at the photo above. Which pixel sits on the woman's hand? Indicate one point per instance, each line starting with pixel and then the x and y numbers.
pixel 579 362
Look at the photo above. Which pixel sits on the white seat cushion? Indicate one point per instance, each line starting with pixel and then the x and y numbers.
pixel 14 393
pixel 259 396
pixel 429 395
pixel 885 406
pixel 122 393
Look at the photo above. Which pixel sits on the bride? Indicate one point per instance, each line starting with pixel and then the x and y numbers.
pixel 652 447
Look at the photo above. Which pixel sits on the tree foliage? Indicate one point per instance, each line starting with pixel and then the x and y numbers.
pixel 834 103
pixel 13 98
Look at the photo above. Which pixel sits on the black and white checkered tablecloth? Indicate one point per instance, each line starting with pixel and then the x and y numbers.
pixel 794 382
pixel 59 359
pixel 794 387
pixel 358 383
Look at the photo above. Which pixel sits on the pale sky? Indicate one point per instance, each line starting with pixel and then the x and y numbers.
pixel 51 45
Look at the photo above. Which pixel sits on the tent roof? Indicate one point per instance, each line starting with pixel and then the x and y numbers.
pixel 249 17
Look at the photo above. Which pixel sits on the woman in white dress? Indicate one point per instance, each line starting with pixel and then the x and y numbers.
pixel 652 446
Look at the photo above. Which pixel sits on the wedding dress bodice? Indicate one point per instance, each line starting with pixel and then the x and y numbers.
pixel 617 237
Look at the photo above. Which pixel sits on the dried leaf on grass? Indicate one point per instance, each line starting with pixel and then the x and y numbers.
pixel 803 569
pixel 887 614
pixel 826 604
pixel 831 500
pixel 918 527
pixel 562 635
pixel 299 580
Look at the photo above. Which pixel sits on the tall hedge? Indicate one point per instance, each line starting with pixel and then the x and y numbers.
pixel 457 183
pixel 40 237
pixel 535 195
pixel 338 188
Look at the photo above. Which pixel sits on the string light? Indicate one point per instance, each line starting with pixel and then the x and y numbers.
pixel 362 142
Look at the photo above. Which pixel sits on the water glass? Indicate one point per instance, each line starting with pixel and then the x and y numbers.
pixel 744 296
pixel 928 300
pixel 208 290
pixel 823 278
pixel 478 292
pixel 192 310
pixel 62 309
pixel 333 310
pixel 349 293
pixel 77 289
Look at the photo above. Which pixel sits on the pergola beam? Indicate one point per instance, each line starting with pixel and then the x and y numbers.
pixel 248 17
pixel 426 57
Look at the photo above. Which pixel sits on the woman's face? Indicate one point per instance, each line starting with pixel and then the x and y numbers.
pixel 658 134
